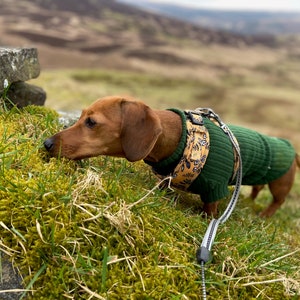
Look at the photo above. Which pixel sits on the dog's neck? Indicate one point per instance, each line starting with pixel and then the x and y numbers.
pixel 168 140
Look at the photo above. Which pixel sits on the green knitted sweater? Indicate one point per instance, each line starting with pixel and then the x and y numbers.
pixel 264 159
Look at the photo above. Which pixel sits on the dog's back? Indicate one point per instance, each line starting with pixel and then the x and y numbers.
pixel 264 158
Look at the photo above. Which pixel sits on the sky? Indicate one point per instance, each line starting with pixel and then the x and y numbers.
pixel 269 5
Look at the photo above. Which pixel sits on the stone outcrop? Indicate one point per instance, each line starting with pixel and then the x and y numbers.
pixel 23 94
pixel 18 65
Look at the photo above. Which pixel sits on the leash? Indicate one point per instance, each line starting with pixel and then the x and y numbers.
pixel 203 254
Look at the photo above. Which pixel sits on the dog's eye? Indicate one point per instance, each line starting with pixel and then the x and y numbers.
pixel 90 123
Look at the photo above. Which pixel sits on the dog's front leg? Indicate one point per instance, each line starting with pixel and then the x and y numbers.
pixel 211 209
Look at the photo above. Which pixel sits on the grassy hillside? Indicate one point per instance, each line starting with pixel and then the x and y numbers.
pixel 101 228
pixel 97 33
pixel 243 21
pixel 255 87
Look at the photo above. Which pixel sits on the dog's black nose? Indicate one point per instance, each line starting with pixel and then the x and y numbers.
pixel 48 144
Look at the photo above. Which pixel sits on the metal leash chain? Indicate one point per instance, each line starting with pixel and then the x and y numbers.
pixel 203 280
pixel 204 252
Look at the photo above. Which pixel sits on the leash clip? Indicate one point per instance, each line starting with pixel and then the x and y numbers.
pixel 195 116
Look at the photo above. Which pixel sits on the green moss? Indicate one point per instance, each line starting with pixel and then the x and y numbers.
pixel 75 228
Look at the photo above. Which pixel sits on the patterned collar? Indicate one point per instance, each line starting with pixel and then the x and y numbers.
pixel 187 161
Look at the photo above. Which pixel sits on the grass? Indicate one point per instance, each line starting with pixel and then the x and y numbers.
pixel 101 229
pixel 78 88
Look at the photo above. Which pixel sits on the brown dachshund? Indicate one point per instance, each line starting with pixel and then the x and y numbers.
pixel 124 127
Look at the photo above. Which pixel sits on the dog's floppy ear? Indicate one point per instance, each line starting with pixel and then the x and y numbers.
pixel 140 128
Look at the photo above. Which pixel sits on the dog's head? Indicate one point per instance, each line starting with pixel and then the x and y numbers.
pixel 114 126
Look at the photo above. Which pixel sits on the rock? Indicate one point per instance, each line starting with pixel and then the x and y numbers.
pixel 9 279
pixel 18 64
pixel 22 94
pixel 68 119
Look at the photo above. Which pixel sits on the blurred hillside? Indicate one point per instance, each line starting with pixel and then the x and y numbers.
pixel 106 33
pixel 243 21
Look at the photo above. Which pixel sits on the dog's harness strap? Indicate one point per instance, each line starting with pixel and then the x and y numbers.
pixel 194 155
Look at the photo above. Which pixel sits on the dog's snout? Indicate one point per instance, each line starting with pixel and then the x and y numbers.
pixel 48 144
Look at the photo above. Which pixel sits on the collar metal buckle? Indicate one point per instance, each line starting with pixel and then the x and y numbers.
pixel 194 116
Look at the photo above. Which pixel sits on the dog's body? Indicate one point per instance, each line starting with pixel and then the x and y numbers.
pixel 122 127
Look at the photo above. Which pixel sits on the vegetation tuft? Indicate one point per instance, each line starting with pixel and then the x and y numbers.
pixel 101 229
